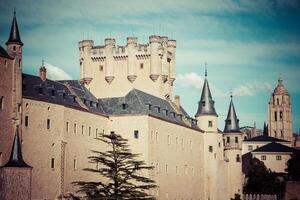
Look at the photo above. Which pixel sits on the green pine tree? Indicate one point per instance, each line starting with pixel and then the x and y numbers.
pixel 119 176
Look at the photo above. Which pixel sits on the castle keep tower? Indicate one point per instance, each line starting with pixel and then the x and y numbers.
pixel 112 71
pixel 206 114
pixel 280 113
pixel 232 138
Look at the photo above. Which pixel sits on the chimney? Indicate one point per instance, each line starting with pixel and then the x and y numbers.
pixel 43 72
pixel 177 101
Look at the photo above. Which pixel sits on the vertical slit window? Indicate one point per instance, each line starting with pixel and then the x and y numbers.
pixel 26 121
pixel 48 124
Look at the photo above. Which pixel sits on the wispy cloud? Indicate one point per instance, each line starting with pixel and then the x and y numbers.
pixel 56 73
pixel 251 89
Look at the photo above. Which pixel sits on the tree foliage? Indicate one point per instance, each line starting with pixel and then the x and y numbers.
pixel 293 167
pixel 261 180
pixel 119 173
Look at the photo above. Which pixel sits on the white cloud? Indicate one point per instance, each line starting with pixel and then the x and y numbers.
pixel 251 89
pixel 56 73
pixel 192 79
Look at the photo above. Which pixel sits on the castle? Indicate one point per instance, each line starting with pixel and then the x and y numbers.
pixel 127 90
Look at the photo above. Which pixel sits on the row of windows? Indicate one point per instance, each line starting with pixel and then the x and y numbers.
pixel 101 67
pixel 236 140
pixel 178 170
pixel 178 141
pixel 264 157
pixel 52 163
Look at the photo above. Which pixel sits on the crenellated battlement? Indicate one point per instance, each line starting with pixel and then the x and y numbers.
pixel 154 62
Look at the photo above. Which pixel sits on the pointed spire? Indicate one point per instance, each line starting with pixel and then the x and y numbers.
pixel 206 103
pixel 231 122
pixel 16 158
pixel 14 36
pixel 265 131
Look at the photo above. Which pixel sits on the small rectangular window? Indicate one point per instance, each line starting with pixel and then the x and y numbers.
pixel 52 163
pixel 142 66
pixel 74 164
pixel 82 130
pixel 75 128
pixel 281 115
pixel 169 140
pixel 210 148
pixel 275 116
pixel 101 68
pixel 263 157
pixel 238 158
pixel 90 129
pixel 26 121
pixel 250 147
pixel 48 124
pixel 210 124
pixel 136 134
pixel 96 132
pixel 228 140
pixel 236 140
pixel 67 127
pixel 278 157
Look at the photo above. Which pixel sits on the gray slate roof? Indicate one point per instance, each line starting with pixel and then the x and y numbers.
pixel 14 36
pixel 231 122
pixel 16 158
pixel 274 147
pixel 73 94
pixel 264 138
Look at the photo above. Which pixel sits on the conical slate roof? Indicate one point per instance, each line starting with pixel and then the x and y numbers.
pixel 206 103
pixel 16 158
pixel 14 36
pixel 231 122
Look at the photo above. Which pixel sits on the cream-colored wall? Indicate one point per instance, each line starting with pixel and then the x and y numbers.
pixel 178 147
pixel 271 162
pixel 40 145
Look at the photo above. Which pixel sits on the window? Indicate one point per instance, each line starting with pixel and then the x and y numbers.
pixel 74 164
pixel 275 116
pixel 229 122
pixel 185 170
pixel 26 121
pixel 278 157
pixel 281 133
pixel 228 140
pixel 238 158
pixel 210 148
pixel 48 123
pixel 67 127
pixel 250 147
pixel 281 115
pixel 263 157
pixel 142 66
pixel 124 106
pixel 40 90
pixel 82 129
pixel 52 163
pixel 2 103
pixel 157 168
pixel 20 63
pixel 156 136
pixel 210 124
pixel 14 48
pixel 75 128
pixel 275 133
pixel 136 134
pixel 101 68
pixel 169 140
pixel 90 129
pixel 5 63
pixel 236 140
pixel 97 132
pixel 53 93
pixel 277 101
pixel 19 107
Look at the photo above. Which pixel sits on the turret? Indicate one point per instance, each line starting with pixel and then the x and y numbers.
pixel 85 47
pixel 265 131
pixel 171 60
pixel 131 61
pixel 109 61
pixel 206 114
pixel 155 68
pixel 231 122
pixel 164 59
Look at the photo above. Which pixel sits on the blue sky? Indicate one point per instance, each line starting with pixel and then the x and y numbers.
pixel 247 44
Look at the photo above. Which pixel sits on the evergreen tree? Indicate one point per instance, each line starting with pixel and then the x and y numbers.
pixel 119 173
pixel 261 180
pixel 293 167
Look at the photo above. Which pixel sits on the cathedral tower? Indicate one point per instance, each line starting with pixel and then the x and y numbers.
pixel 280 113
pixel 206 114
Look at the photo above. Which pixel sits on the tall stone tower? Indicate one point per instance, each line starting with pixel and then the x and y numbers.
pixel 11 84
pixel 111 70
pixel 280 113
pixel 206 114
pixel 232 138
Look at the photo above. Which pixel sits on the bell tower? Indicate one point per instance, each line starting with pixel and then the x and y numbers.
pixel 280 113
